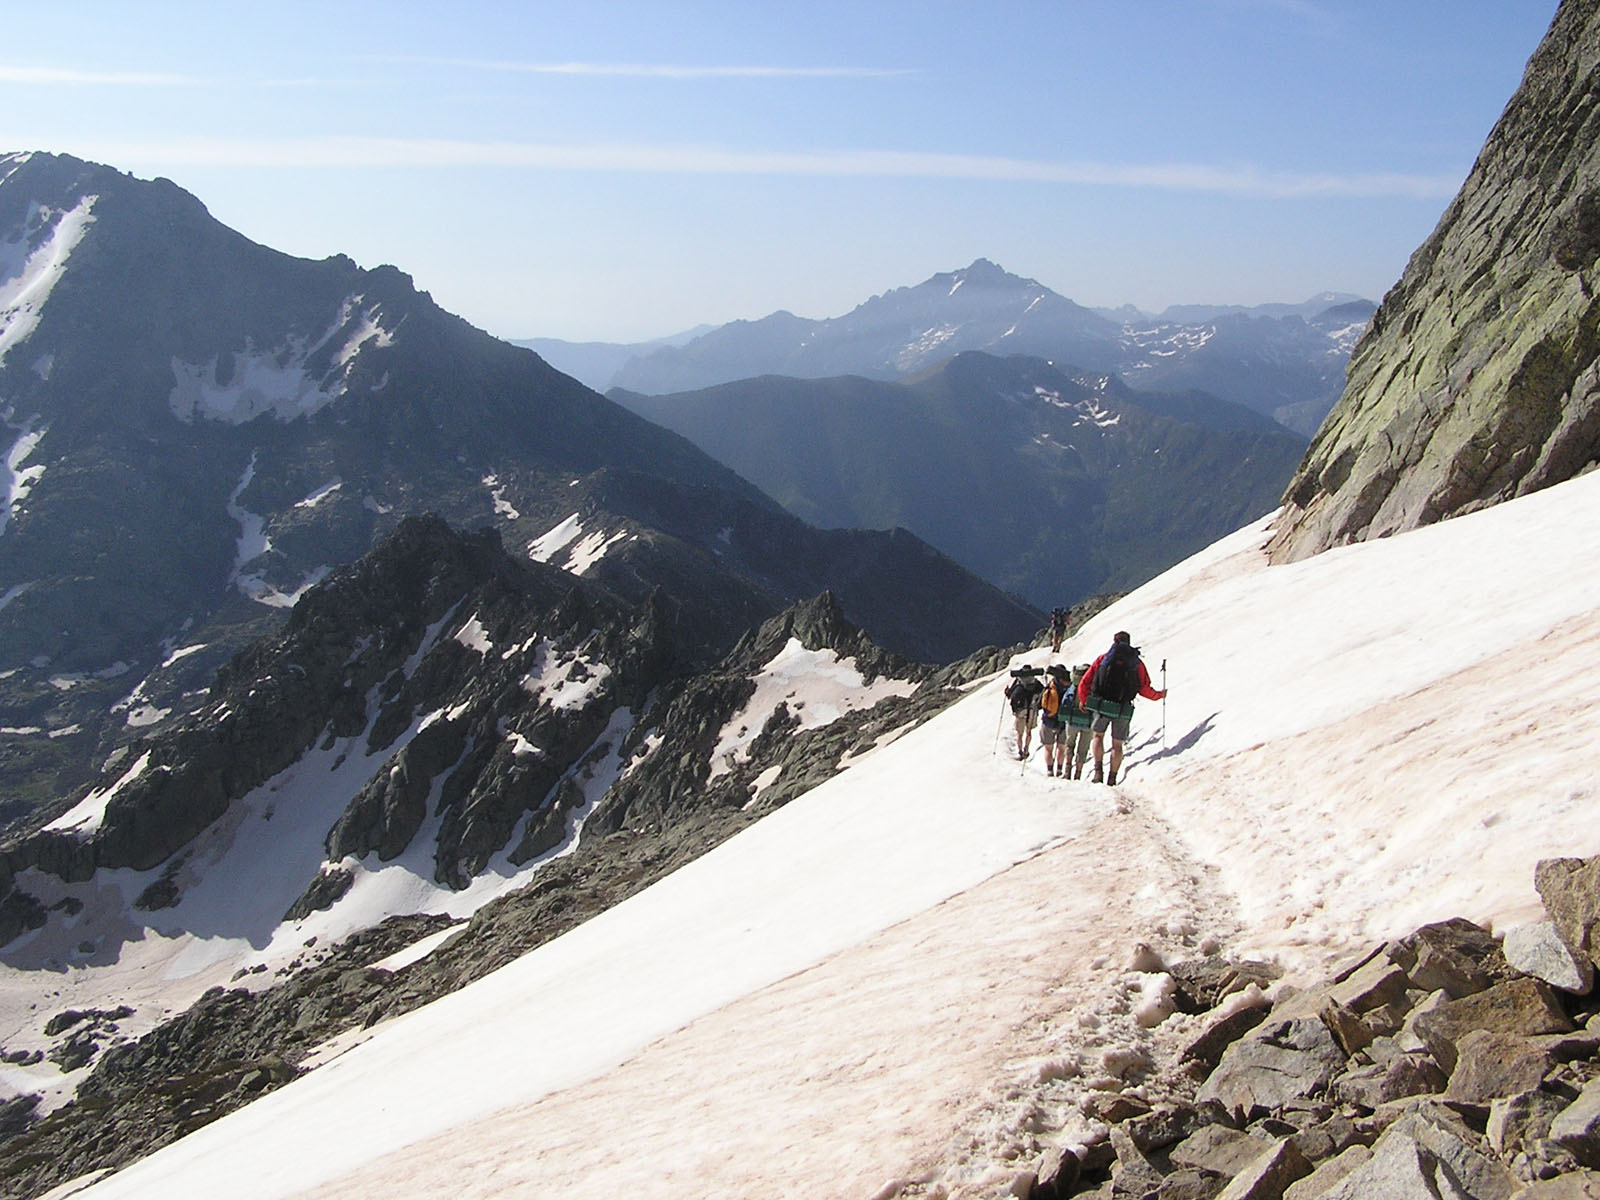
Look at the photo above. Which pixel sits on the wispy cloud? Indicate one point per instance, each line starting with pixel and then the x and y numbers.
pixel 1244 180
pixel 73 77
pixel 655 70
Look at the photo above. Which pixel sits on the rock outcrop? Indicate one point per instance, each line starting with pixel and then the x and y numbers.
pixel 1430 1067
pixel 1477 380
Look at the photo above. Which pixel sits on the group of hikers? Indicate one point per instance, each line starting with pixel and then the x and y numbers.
pixel 1074 709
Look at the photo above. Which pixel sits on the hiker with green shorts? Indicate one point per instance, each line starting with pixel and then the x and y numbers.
pixel 1108 690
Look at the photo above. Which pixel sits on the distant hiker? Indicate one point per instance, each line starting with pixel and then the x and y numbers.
pixel 1054 704
pixel 1058 629
pixel 1024 692
pixel 1079 723
pixel 1107 690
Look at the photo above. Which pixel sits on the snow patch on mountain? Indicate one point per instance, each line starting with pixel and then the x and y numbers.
pixel 817 686
pixel 16 480
pixel 30 267
pixel 497 493
pixel 289 381
pixel 83 818
pixel 252 544
pixel 552 542
pixel 583 556
pixel 563 681
pixel 321 494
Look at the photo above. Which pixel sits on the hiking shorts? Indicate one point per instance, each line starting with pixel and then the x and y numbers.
pixel 1025 723
pixel 1117 725
pixel 1076 743
pixel 1051 733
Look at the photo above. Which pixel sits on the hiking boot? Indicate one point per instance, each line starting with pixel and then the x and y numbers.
pixel 1099 777
pixel 1111 779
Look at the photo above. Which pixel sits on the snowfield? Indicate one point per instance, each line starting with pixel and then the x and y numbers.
pixel 911 972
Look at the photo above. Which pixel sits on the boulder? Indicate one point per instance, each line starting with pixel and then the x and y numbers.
pixel 1281 1062
pixel 1399 1076
pixel 1213 1042
pixel 1576 1129
pixel 1519 1006
pixel 1328 1174
pixel 1219 1149
pixel 1539 950
pixel 1426 1153
pixel 1519 1121
pixel 1570 889
pixel 1269 1175
pixel 1490 1065
pixel 1579 1185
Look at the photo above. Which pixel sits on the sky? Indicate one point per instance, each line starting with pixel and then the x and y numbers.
pixel 624 171
pixel 930 958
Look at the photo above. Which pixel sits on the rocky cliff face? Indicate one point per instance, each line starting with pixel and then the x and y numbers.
pixel 1477 380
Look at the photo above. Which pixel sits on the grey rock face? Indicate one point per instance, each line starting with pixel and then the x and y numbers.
pixel 1280 1062
pixel 1570 889
pixel 1540 950
pixel 1477 379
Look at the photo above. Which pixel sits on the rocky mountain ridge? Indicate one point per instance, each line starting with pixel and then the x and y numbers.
pixel 1477 380
pixel 1056 483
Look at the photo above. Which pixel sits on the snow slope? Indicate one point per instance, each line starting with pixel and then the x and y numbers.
pixel 909 972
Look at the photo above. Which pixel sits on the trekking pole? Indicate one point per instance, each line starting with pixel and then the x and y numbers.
pixel 1163 704
pixel 994 746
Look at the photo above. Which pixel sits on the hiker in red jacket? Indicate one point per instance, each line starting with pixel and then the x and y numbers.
pixel 1108 689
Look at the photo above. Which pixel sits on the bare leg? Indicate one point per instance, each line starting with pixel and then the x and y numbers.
pixel 1099 751
pixel 1116 760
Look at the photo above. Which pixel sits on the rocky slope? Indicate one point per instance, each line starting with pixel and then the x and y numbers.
pixel 1477 380
pixel 195 428
pixel 1055 483
pixel 1446 1063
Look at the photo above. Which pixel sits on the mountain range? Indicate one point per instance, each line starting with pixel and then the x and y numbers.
pixel 1286 361
pixel 197 428
pixel 1054 483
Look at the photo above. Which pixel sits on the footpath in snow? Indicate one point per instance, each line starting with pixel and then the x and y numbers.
pixel 889 977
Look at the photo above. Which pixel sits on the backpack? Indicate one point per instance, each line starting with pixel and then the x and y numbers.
pixel 1117 679
pixel 1023 691
pixel 1051 703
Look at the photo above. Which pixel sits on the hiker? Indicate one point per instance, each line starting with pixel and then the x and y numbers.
pixel 1024 692
pixel 1058 629
pixel 1054 704
pixel 1107 690
pixel 1079 723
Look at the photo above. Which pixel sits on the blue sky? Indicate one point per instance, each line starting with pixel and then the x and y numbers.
pixel 621 171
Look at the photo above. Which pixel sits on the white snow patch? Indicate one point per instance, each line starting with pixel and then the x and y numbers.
pixel 818 686
pixel 583 557
pixel 497 493
pixel 564 682
pixel 474 636
pixel 84 817
pixel 16 481
pixel 276 381
pixel 12 592
pixel 28 273
pixel 321 494
pixel 548 545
